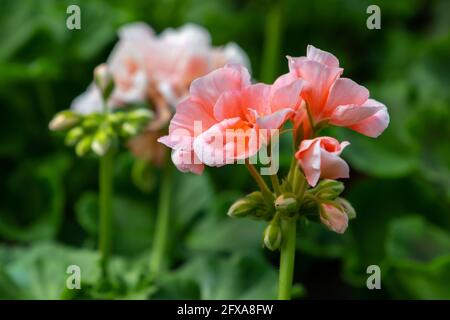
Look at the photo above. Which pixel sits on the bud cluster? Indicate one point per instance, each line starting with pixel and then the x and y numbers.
pixel 98 132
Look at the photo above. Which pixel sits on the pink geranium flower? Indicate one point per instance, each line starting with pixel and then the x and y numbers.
pixel 221 120
pixel 338 101
pixel 320 158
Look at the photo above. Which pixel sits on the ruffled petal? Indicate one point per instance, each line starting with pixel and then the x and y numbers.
pixel 321 56
pixel 374 125
pixel 208 89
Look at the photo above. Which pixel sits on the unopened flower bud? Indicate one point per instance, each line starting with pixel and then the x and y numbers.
pixel 116 117
pixel 129 130
pixel 251 205
pixel 287 204
pixel 348 208
pixel 74 135
pixel 141 115
pixel 64 120
pixel 272 236
pixel 90 123
pixel 328 189
pixel 104 80
pixel 102 142
pixel 83 147
pixel 241 208
pixel 335 219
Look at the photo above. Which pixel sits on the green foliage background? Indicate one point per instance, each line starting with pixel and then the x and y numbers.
pixel 400 183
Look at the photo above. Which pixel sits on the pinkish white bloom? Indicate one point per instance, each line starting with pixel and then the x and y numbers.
pixel 320 158
pixel 127 65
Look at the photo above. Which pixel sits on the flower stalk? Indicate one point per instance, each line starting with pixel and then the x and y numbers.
pixel 105 217
pixel 161 236
pixel 287 258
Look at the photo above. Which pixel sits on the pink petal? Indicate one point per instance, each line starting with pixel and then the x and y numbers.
pixel 187 113
pixel 345 116
pixel 275 120
pixel 345 92
pixel 186 161
pixel 319 79
pixel 321 56
pixel 334 219
pixel 374 125
pixel 333 166
pixel 225 142
pixel 229 105
pixel 285 92
pixel 308 157
pixel 208 89
pixel 256 97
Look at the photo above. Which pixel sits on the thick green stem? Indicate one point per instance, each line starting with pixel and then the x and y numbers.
pixel 106 190
pixel 272 41
pixel 162 223
pixel 287 257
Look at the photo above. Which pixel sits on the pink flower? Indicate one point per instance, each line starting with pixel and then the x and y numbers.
pixel 333 218
pixel 320 158
pixel 127 65
pixel 181 55
pixel 221 120
pixel 338 101
pixel 158 68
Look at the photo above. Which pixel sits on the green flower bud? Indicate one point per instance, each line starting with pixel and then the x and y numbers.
pixel 116 117
pixel 272 236
pixel 328 189
pixel 241 208
pixel 64 120
pixel 104 80
pixel 90 123
pixel 83 147
pixel 287 204
pixel 141 115
pixel 252 205
pixel 129 130
pixel 347 207
pixel 102 141
pixel 74 135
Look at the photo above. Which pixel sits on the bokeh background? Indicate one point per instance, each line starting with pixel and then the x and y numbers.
pixel 399 185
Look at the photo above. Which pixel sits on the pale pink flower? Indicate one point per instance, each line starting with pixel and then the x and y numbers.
pixel 225 104
pixel 184 54
pixel 335 219
pixel 320 158
pixel 338 101
pixel 127 65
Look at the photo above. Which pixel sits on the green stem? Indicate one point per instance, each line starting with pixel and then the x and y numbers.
pixel 287 257
pixel 106 190
pixel 272 41
pixel 275 184
pixel 267 194
pixel 162 223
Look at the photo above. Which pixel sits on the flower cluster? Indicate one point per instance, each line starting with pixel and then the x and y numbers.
pixel 155 72
pixel 226 118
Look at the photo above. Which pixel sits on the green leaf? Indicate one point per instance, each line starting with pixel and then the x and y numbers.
pixel 132 222
pixel 236 277
pixel 418 259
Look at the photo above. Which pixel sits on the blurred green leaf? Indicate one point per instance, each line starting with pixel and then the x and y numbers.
pixel 236 277
pixel 132 222
pixel 418 259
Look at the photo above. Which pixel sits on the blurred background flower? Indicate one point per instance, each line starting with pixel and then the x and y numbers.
pixel 399 184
